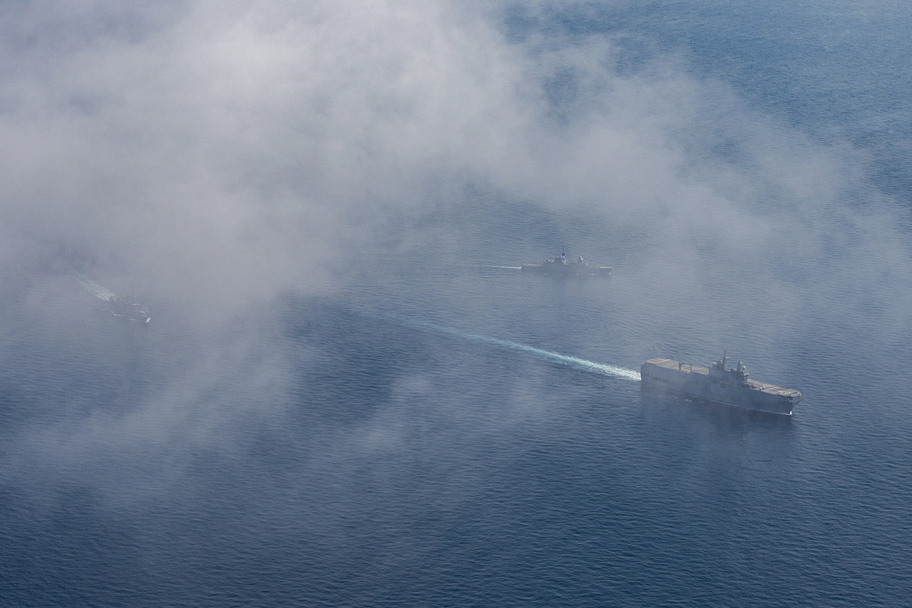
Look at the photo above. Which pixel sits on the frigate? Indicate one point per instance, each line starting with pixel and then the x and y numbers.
pixel 719 384
pixel 561 267
pixel 127 308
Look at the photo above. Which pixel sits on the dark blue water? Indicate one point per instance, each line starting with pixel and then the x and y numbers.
pixel 371 447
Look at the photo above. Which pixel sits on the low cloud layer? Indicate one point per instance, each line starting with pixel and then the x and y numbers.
pixel 219 155
pixel 239 150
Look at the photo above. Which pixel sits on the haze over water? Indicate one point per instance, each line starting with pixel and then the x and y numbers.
pixel 348 394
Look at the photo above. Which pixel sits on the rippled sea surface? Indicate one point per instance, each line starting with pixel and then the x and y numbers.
pixel 396 443
pixel 406 464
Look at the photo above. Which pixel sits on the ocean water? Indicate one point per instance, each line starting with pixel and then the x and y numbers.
pixel 448 431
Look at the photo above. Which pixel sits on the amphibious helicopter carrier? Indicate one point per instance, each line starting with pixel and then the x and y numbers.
pixel 719 384
pixel 559 266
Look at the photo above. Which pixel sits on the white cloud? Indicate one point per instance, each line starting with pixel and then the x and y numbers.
pixel 222 153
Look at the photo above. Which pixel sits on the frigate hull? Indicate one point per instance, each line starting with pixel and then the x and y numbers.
pixel 718 384
pixel 562 267
pixel 567 270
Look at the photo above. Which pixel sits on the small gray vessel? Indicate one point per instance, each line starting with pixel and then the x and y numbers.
pixel 560 267
pixel 719 384
pixel 127 308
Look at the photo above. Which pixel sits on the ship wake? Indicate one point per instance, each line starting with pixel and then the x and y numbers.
pixel 97 290
pixel 577 363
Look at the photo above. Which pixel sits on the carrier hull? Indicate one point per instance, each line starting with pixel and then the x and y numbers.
pixel 718 384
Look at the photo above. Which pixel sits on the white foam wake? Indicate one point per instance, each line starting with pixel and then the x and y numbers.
pixel 569 361
pixel 97 290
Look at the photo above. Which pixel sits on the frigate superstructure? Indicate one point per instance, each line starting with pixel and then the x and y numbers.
pixel 562 267
pixel 719 384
